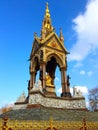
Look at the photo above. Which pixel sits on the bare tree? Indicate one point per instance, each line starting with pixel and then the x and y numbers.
pixel 93 98
pixel 5 109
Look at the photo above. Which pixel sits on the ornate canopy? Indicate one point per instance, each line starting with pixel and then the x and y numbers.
pixel 47 53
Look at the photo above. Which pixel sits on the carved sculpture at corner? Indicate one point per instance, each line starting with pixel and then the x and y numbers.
pixel 49 80
pixel 21 98
pixel 77 92
pixel 37 86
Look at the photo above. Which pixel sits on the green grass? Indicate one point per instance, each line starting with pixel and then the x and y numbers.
pixel 47 113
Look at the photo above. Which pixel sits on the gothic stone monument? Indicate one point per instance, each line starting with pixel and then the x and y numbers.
pixel 47 53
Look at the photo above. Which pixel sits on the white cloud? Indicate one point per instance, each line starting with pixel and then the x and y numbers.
pixel 83 89
pixel 86 28
pixel 82 72
pixel 78 64
pixel 89 73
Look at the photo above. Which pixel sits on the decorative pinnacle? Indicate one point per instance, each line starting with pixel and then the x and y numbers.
pixel 47 14
pixel 61 35
pixel 60 32
pixel 47 27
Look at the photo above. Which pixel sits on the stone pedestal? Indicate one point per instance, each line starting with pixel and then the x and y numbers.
pixel 47 98
pixel 50 90
pixel 39 99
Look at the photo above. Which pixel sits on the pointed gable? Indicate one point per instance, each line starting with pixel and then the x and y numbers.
pixel 48 39
pixel 54 42
pixel 35 47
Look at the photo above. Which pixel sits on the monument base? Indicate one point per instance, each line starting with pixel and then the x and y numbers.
pixel 38 99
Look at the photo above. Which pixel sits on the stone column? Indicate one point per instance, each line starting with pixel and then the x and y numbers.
pixel 65 84
pixel 43 73
pixel 53 77
pixel 32 79
pixel 63 79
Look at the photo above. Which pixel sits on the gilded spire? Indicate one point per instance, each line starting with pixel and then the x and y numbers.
pixel 47 27
pixel 47 14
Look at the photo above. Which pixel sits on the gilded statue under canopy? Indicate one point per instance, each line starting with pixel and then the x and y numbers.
pixel 49 80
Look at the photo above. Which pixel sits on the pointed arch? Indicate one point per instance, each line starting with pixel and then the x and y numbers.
pixel 35 63
pixel 57 57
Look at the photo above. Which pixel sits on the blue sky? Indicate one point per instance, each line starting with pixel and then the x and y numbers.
pixel 19 19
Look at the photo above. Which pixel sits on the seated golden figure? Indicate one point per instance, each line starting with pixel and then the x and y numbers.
pixel 49 80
